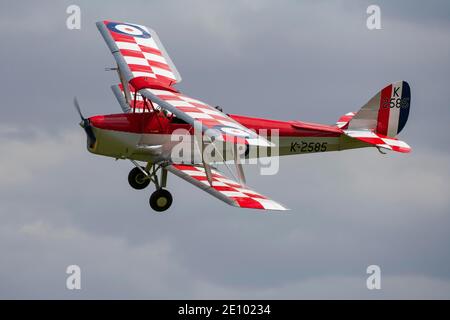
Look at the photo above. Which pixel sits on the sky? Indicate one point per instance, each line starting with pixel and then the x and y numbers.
pixel 288 60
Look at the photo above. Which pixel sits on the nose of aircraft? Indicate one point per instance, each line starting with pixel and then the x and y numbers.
pixel 110 134
pixel 96 121
pixel 87 126
pixel 102 127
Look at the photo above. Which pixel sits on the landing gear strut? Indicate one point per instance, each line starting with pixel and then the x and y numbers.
pixel 140 177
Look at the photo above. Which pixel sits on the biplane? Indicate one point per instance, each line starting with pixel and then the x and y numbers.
pixel 157 118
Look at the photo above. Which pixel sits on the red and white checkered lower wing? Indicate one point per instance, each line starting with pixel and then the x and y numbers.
pixel 224 188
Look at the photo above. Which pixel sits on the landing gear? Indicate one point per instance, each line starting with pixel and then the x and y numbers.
pixel 137 179
pixel 140 177
pixel 160 200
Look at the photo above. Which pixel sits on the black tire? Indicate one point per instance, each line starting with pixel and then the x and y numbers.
pixel 137 179
pixel 160 200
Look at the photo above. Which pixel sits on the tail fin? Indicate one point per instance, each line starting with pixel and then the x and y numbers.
pixel 381 119
pixel 386 113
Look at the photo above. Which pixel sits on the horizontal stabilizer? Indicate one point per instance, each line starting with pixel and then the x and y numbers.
pixel 378 140
pixel 343 121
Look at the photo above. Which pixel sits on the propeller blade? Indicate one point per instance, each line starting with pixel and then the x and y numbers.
pixel 85 124
pixel 77 107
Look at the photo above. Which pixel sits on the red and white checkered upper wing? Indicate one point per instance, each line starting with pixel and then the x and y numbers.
pixel 138 52
pixel 147 67
pixel 224 188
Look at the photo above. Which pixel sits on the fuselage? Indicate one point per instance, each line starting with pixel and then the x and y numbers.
pixel 150 137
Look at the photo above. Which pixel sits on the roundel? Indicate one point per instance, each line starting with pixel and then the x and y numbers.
pixel 235 132
pixel 128 29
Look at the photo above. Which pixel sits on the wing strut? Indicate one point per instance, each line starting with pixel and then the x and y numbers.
pixel 238 165
pixel 237 162
pixel 126 89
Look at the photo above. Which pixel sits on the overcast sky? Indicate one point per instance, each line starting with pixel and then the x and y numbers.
pixel 302 60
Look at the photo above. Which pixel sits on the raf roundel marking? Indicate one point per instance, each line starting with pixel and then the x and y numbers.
pixel 235 132
pixel 128 29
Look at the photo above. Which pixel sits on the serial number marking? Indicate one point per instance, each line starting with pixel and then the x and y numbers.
pixel 308 147
pixel 395 103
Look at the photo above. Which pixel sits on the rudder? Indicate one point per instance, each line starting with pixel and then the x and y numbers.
pixel 386 113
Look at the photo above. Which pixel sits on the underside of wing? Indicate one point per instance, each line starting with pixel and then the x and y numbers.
pixel 223 188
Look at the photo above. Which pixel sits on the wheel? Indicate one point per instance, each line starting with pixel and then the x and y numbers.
pixel 160 200
pixel 137 179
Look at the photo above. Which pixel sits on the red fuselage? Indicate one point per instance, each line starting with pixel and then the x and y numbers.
pixel 138 135
pixel 157 123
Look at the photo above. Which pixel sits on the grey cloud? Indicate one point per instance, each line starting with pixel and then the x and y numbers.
pixel 310 61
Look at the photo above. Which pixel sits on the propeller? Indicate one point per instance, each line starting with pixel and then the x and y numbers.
pixel 86 125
